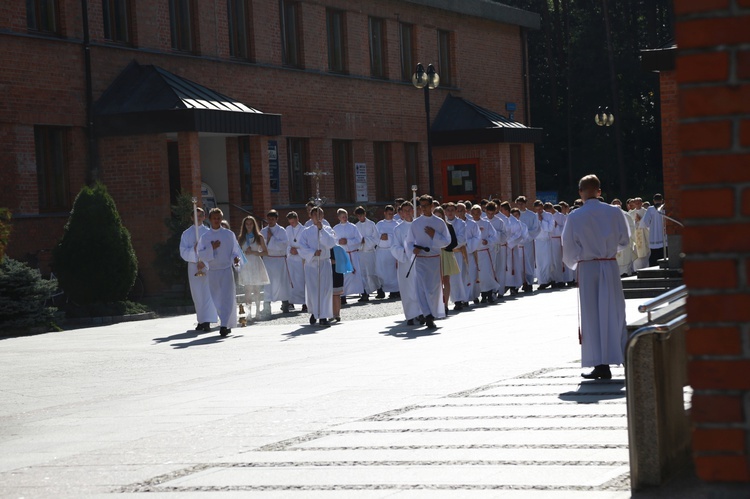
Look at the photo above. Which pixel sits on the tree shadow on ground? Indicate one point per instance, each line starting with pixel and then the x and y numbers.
pixel 404 332
pixel 593 391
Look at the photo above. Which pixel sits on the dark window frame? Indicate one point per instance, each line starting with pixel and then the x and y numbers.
pixel 240 21
pixel 117 22
pixel 52 168
pixel 43 16
pixel 411 165
pixel 343 171
pixel 445 57
pixel 378 48
pixel 181 27
pixel 246 173
pixel 336 35
pixel 291 34
pixel 406 39
pixel 299 184
pixel 383 171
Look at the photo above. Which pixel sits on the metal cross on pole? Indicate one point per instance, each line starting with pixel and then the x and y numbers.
pixel 316 174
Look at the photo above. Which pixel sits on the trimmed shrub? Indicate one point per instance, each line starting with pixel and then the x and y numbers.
pixel 95 261
pixel 23 294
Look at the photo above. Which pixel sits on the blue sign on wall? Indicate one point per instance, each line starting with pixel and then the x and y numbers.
pixel 273 164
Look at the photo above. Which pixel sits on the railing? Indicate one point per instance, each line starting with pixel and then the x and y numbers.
pixel 655 376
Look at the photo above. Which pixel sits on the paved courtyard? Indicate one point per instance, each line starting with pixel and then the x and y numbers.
pixel 491 404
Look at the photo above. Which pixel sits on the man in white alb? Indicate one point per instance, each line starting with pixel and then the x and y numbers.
pixel 316 242
pixel 385 263
pixel 591 238
pixel 199 290
pixel 654 221
pixel 294 262
pixel 367 266
pixel 529 218
pixel 349 237
pixel 275 261
pixel 428 235
pixel 407 285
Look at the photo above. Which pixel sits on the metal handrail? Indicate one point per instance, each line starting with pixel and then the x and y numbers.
pixel 668 297
pixel 664 331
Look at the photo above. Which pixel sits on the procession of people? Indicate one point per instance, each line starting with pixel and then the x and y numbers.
pixel 465 253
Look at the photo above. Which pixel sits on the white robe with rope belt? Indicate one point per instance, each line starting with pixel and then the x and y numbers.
pixel 199 290
pixel 275 262
pixel 591 238
pixel 427 265
pixel 368 269
pixel 407 286
pixel 318 272
pixel 295 263
pixel 221 272
pixel 353 283
pixel 385 263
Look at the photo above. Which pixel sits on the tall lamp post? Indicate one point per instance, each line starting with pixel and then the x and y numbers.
pixel 428 80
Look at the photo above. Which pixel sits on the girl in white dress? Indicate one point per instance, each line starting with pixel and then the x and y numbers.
pixel 253 274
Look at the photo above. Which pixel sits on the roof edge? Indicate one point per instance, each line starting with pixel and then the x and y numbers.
pixel 486 9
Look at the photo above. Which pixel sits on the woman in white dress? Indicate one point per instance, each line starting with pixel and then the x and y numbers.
pixel 253 274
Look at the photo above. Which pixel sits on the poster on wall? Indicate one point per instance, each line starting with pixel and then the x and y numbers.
pixel 273 164
pixel 360 180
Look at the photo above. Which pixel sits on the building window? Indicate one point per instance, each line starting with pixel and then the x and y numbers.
pixel 291 34
pixel 336 41
pixel 412 165
pixel 246 182
pixel 240 33
pixel 342 170
pixel 383 172
pixel 51 168
pixel 407 50
pixel 116 20
pixel 298 183
pixel 181 24
pixel 444 57
pixel 377 47
pixel 41 15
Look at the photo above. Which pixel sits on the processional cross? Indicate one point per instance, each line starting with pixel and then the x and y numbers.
pixel 316 174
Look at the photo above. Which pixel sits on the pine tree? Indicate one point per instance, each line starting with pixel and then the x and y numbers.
pixel 95 261
pixel 23 294
pixel 169 263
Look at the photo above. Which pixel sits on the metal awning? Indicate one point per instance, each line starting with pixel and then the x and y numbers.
pixel 462 122
pixel 146 99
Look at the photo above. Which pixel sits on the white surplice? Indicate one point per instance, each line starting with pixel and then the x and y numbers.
pixel 500 252
pixel 221 272
pixel 295 263
pixel 407 286
pixel 199 289
pixel 543 249
pixel 318 272
pixel 484 256
pixel 591 238
pixel 353 284
pixel 367 266
pixel 275 261
pixel 460 284
pixel 427 265
pixel 529 218
pixel 385 263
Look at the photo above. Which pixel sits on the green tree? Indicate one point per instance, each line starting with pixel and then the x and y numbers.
pixel 23 294
pixel 95 261
pixel 4 230
pixel 169 264
pixel 570 78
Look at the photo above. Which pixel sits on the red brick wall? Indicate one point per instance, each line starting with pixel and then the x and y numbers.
pixel 714 102
pixel 670 147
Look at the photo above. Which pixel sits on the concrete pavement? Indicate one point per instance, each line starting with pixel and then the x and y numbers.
pixel 489 405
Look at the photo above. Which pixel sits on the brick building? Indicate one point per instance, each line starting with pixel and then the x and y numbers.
pixel 713 95
pixel 245 96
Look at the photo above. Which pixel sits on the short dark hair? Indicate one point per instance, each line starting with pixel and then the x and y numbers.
pixel 589 182
pixel 359 210
pixel 521 199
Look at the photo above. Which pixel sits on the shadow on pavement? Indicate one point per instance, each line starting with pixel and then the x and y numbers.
pixel 209 340
pixel 191 333
pixel 404 332
pixel 304 330
pixel 591 392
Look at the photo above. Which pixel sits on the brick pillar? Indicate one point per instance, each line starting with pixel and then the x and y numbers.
pixel 190 162
pixel 262 175
pixel 670 146
pixel 714 104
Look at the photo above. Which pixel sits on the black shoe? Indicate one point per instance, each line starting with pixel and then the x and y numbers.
pixel 484 298
pixel 430 322
pixel 410 322
pixel 458 306
pixel 343 300
pixel 204 326
pixel 324 322
pixel 394 296
pixel 477 302
pixel 312 320
pixel 365 297
pixel 527 288
pixel 421 319
pixel 304 309
pixel 544 286
pixel 513 291
pixel 491 297
pixel 224 331
pixel 337 319
pixel 381 294
pixel 285 306
pixel 600 372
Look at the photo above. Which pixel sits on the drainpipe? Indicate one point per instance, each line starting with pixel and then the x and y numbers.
pixel 92 173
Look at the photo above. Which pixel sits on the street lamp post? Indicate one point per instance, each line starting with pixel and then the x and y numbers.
pixel 428 80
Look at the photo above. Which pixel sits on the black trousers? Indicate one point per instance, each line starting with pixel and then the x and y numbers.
pixel 656 255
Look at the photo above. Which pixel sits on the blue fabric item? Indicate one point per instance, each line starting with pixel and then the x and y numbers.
pixel 343 263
